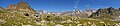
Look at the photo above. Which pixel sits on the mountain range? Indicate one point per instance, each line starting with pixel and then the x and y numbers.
pixel 22 14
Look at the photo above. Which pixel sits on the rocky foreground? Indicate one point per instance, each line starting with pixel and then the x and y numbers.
pixel 23 15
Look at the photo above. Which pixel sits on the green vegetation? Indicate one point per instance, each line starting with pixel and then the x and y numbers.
pixel 16 19
pixel 24 15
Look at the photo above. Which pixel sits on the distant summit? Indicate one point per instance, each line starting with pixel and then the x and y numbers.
pixel 1 8
pixel 42 11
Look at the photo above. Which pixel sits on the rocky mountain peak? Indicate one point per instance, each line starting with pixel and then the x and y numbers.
pixel 23 4
pixel 11 6
pixel 24 7
pixel 76 11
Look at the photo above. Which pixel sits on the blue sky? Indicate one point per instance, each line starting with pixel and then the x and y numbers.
pixel 64 5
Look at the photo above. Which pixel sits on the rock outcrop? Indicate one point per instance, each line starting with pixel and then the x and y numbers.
pixel 106 13
pixel 11 7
